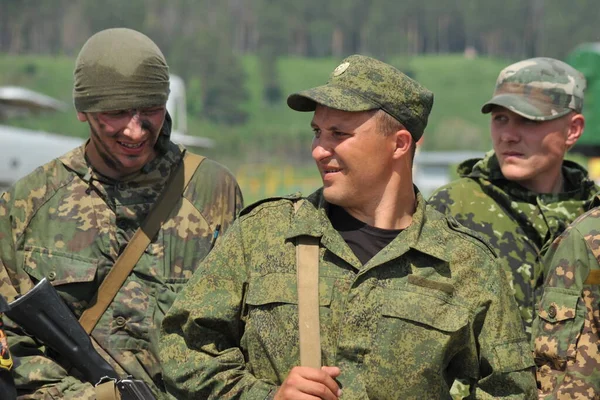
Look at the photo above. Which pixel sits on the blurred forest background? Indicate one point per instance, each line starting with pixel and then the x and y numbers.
pixel 241 58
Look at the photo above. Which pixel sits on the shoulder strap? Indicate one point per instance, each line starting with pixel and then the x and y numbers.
pixel 107 391
pixel 141 239
pixel 307 267
pixel 593 278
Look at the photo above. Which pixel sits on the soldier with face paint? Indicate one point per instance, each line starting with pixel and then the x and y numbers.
pixel 69 220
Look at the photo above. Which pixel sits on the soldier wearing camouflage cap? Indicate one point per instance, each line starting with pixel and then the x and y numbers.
pixel 408 300
pixel 70 219
pixel 523 194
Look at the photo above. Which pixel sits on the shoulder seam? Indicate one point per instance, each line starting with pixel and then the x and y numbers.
pixel 251 212
pixel 475 239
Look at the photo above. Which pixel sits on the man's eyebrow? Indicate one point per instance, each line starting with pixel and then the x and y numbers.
pixel 333 128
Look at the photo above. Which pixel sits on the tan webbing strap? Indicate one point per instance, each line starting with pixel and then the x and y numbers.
pixel 107 391
pixel 307 267
pixel 141 239
pixel 593 278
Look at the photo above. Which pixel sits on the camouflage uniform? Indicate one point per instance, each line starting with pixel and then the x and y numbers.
pixel 566 328
pixel 68 224
pixel 429 307
pixel 7 383
pixel 520 223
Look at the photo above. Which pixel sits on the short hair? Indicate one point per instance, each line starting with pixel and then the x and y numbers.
pixel 388 125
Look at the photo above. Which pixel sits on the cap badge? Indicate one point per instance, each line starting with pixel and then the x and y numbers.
pixel 340 69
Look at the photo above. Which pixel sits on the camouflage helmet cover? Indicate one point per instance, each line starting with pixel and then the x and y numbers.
pixel 539 89
pixel 362 83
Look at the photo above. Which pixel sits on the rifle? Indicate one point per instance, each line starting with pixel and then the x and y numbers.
pixel 42 313
pixel 8 390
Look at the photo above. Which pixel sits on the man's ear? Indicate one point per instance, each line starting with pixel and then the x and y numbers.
pixel 576 126
pixel 82 116
pixel 403 143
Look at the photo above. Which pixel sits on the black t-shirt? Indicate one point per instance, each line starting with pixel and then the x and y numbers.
pixel 364 240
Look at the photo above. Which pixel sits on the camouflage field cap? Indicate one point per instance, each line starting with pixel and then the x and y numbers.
pixel 540 89
pixel 362 83
pixel 119 69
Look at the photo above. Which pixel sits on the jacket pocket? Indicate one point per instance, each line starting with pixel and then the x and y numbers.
pixel 282 288
pixel 410 317
pixel 426 311
pixel 271 331
pixel 73 276
pixel 561 316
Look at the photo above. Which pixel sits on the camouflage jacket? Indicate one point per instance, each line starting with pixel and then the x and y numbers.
pixel 67 224
pixel 519 224
pixel 565 331
pixel 429 307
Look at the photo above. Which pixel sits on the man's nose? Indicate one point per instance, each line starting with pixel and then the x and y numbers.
pixel 134 130
pixel 510 134
pixel 320 149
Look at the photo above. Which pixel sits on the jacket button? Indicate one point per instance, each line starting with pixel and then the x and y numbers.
pixel 120 321
pixel 51 276
pixel 552 311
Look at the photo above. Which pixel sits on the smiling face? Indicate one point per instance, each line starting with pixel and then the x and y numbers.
pixel 355 160
pixel 122 142
pixel 531 152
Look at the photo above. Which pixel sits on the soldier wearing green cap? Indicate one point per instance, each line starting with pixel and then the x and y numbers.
pixel 523 193
pixel 70 220
pixel 405 300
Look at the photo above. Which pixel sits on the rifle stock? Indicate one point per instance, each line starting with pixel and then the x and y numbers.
pixel 7 383
pixel 42 313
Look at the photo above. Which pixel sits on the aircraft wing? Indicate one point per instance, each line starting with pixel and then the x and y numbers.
pixel 445 158
pixel 433 169
pixel 15 101
pixel 23 150
pixel 192 141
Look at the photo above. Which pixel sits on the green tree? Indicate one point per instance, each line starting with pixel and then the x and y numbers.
pixel 272 42
pixel 564 26
pixel 115 13
pixel 207 56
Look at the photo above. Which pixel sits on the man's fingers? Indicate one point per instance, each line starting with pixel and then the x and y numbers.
pixel 333 372
pixel 310 381
pixel 326 377
pixel 317 389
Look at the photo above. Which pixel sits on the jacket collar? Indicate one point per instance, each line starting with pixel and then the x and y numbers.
pixel 311 220
pixel 579 185
pixel 153 172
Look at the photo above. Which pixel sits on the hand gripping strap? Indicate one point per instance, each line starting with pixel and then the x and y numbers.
pixel 307 267
pixel 141 239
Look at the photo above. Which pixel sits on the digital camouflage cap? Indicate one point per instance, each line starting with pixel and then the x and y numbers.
pixel 363 83
pixel 540 89
pixel 119 69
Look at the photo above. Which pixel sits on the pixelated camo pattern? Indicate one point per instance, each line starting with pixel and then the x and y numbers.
pixel 430 307
pixel 519 224
pixel 67 224
pixel 566 333
pixel 363 83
